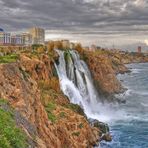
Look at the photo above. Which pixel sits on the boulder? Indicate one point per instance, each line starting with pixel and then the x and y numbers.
pixel 107 137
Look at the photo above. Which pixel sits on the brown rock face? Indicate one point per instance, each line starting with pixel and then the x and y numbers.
pixel 104 75
pixel 76 127
pixel 18 84
pixel 24 96
pixel 38 68
pixel 106 64
pixel 107 137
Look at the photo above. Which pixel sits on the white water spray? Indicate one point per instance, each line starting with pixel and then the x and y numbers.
pixel 76 83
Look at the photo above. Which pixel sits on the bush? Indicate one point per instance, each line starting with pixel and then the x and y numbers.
pixel 76 108
pixel 51 117
pixel 49 108
pixel 3 101
pixel 76 134
pixel 52 83
pixel 8 58
pixel 80 125
pixel 62 115
pixel 10 135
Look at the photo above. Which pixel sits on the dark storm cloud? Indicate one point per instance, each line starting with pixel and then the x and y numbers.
pixel 76 16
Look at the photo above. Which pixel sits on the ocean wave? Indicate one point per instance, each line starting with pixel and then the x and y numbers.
pixel 135 71
pixel 114 113
pixel 144 104
pixel 141 93
pixel 128 92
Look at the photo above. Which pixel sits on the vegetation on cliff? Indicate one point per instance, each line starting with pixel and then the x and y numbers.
pixel 46 113
pixel 8 58
pixel 10 135
pixel 29 81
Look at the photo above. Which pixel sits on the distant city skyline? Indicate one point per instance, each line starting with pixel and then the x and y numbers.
pixel 34 35
pixel 119 23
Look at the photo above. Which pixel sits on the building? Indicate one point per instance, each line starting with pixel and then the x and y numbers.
pixel 27 39
pixel 38 35
pixel 139 49
pixel 17 40
pixel 5 38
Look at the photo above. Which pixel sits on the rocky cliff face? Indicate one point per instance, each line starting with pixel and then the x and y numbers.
pixel 31 87
pixel 105 65
pixel 103 72
pixel 44 113
pixel 128 58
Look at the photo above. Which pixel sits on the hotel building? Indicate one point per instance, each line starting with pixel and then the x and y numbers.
pixel 38 35
pixel 27 39
pixel 5 38
pixel 17 40
pixel 35 36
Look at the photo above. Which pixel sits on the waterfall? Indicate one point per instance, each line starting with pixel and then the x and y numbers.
pixel 76 82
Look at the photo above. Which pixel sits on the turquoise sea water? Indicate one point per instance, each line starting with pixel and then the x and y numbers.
pixel 130 128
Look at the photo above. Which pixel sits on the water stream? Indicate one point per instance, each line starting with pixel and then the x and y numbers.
pixel 76 83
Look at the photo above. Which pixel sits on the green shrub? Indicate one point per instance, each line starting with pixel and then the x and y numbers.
pixel 4 143
pixel 62 115
pixel 49 108
pixel 8 58
pixel 76 134
pixel 76 108
pixel 80 125
pixel 35 46
pixel 51 117
pixel 3 101
pixel 10 135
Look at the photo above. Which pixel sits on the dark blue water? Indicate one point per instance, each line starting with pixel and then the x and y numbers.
pixel 130 128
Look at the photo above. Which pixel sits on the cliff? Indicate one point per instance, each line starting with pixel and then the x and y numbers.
pixel 104 72
pixel 46 116
pixel 105 65
pixel 39 111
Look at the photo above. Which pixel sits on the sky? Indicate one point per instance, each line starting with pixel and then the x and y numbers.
pixel 107 23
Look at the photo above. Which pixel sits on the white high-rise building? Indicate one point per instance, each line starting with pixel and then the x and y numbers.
pixel 5 38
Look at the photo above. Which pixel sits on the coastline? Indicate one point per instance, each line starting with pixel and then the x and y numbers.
pixel 33 74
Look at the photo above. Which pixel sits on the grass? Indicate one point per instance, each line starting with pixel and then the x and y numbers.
pixel 80 125
pixel 3 101
pixel 51 117
pixel 76 108
pixel 76 134
pixel 10 135
pixel 8 58
pixel 62 115
pixel 49 109
pixel 52 83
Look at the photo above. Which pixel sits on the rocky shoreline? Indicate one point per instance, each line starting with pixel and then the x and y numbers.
pixel 105 65
pixel 30 85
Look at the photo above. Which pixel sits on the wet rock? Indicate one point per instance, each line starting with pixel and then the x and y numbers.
pixel 103 127
pixel 107 137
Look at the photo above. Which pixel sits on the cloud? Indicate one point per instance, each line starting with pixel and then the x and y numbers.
pixel 84 20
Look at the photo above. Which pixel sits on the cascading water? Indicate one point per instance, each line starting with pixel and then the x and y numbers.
pixel 124 119
pixel 76 82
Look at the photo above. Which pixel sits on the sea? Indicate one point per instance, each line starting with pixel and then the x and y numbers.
pixel 129 122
